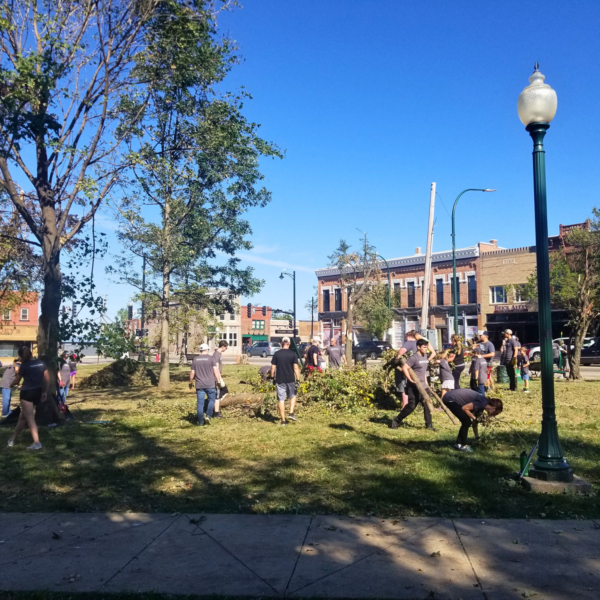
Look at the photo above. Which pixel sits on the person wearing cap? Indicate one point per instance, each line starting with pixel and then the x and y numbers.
pixel 509 357
pixel 221 391
pixel 312 356
pixel 488 350
pixel 418 362
pixel 285 370
pixel 204 376
pixel 478 372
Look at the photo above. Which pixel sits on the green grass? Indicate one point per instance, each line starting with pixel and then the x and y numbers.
pixel 152 458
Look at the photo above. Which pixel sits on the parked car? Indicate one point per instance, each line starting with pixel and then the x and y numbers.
pixel 590 353
pixel 373 349
pixel 529 346
pixel 535 353
pixel 264 349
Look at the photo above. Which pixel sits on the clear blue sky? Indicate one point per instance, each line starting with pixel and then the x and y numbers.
pixel 373 100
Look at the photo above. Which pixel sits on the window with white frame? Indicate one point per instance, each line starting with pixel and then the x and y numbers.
pixel 24 314
pixel 520 293
pixel 6 315
pixel 258 324
pixel 232 316
pixel 230 338
pixel 222 317
pixel 497 295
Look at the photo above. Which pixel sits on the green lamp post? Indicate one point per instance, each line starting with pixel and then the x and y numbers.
pixel 292 276
pixel 454 284
pixel 537 107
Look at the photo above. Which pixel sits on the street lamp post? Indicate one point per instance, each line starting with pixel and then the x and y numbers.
pixel 537 107
pixel 454 284
pixel 389 291
pixel 293 278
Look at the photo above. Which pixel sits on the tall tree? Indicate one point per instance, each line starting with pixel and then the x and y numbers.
pixel 195 172
pixel 575 285
pixel 372 310
pixel 358 270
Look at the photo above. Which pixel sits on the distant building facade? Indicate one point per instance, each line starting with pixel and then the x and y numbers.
pixel 19 327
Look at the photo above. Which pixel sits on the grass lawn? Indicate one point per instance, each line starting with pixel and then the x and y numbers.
pixel 151 457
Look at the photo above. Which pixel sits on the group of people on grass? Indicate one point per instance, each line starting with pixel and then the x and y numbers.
pixel 31 374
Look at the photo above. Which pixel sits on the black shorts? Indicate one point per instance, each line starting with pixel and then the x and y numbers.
pixel 34 396
pixel 222 392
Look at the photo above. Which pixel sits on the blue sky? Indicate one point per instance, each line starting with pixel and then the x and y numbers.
pixel 373 100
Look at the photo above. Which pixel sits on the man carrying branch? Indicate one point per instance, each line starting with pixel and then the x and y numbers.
pixel 418 363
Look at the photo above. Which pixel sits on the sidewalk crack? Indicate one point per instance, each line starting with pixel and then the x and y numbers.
pixel 140 552
pixel 485 597
pixel 298 557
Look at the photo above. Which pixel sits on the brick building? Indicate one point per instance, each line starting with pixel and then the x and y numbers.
pixel 257 326
pixel 407 275
pixel 19 327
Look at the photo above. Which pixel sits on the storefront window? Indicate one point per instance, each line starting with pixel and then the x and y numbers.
pixel 497 295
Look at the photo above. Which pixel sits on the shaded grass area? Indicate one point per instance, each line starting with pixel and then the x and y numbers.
pixel 151 457
pixel 116 596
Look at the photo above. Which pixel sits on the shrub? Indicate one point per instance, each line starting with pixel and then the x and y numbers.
pixel 121 373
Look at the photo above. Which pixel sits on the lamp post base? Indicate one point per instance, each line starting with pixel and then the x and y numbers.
pixel 562 475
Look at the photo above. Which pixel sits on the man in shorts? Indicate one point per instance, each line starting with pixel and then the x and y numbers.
pixel 418 363
pixel 312 356
pixel 204 375
pixel 221 390
pixel 285 370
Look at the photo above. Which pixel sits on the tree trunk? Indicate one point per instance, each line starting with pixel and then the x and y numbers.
pixel 575 355
pixel 164 380
pixel 48 337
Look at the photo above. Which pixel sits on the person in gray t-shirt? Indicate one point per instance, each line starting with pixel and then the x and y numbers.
pixel 7 381
pixel 204 376
pixel 335 354
pixel 418 363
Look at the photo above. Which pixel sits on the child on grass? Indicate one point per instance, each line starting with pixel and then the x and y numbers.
pixel 523 364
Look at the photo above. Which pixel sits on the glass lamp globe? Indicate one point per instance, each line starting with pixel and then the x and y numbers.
pixel 537 102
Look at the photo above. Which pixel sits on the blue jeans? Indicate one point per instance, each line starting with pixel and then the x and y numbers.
pixel 209 393
pixel 6 401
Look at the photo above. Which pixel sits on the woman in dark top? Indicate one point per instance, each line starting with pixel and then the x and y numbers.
pixel 466 405
pixel 459 360
pixel 73 370
pixel 34 374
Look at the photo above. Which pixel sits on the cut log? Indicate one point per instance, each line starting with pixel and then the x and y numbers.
pixel 232 400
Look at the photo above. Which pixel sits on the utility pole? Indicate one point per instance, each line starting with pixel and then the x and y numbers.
pixel 312 315
pixel 426 281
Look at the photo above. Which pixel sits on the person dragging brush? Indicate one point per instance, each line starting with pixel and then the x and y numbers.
pixel 466 406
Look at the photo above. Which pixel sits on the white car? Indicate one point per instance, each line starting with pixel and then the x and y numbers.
pixel 535 354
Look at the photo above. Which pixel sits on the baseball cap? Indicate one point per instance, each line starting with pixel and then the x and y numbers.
pixel 285 340
pixel 203 347
pixel 509 331
pixel 484 332
pixel 477 350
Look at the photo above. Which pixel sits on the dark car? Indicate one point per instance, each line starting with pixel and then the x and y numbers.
pixel 373 349
pixel 590 353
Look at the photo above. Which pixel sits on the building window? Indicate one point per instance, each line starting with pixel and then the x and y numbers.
pixel 472 287
pixel 230 338
pixel 258 324
pixel 497 295
pixel 519 293
pixel 338 299
pixel 326 301
pixel 397 295
pixel 222 317
pixel 24 314
pixel 452 289
pixel 410 287
pixel 6 315
pixel 232 316
pixel 439 292
pixel 337 322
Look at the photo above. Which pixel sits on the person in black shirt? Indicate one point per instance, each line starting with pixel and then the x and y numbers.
pixel 465 405
pixel 459 360
pixel 312 356
pixel 285 370
pixel 34 390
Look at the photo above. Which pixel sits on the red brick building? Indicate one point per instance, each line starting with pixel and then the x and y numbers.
pixel 257 326
pixel 19 327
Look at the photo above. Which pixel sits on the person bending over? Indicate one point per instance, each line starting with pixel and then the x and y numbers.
pixel 466 405
pixel 446 375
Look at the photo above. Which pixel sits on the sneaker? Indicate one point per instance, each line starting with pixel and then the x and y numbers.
pixel 457 447
pixel 466 449
pixel 207 420
pixel 293 417
pixel 218 415
pixel 526 391
pixel 35 446
pixel 283 422
pixel 10 443
pixel 396 423
pixel 431 428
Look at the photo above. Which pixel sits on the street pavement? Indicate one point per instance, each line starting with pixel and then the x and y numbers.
pixel 300 556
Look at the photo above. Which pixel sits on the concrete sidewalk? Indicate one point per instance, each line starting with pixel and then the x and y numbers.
pixel 300 556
